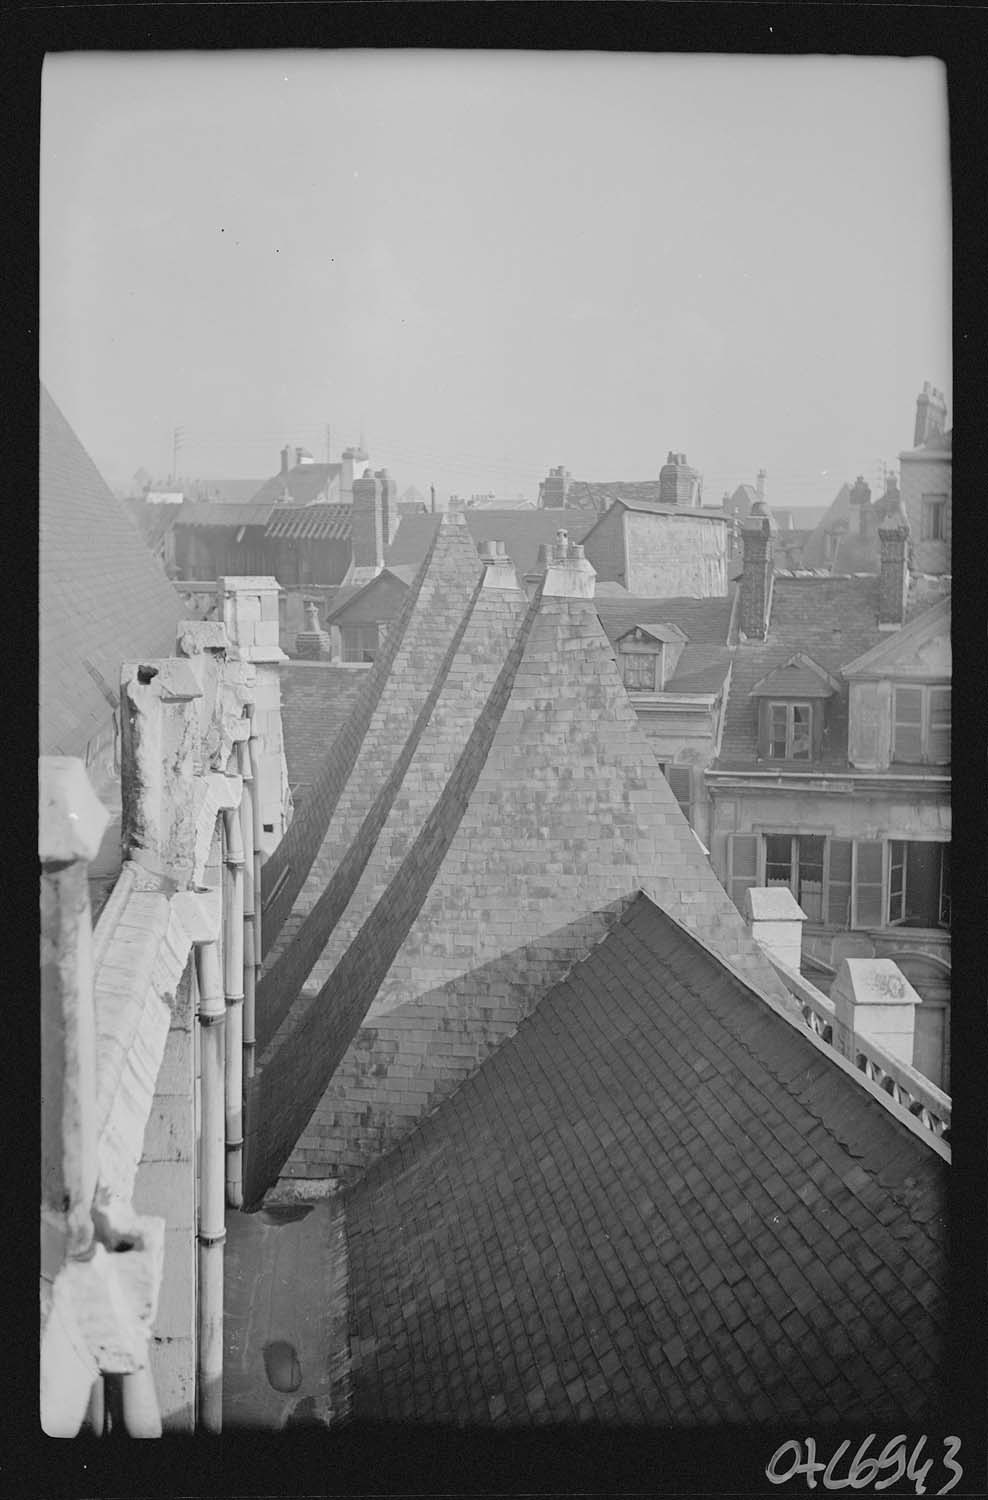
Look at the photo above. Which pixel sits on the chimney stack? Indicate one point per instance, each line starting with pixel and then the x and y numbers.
pixel 758 531
pixel 893 574
pixel 760 484
pixel 931 414
pixel 286 459
pixel 366 530
pixel 860 500
pixel 679 484
pixel 389 507
pixel 554 489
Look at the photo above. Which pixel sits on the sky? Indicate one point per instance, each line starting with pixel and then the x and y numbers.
pixel 489 263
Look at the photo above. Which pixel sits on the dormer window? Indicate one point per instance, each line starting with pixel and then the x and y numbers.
pixel 921 725
pixel 791 705
pixel 790 731
pixel 639 672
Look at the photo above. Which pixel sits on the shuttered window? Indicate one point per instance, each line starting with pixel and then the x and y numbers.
pixel 840 856
pixel 868 863
pixel 743 873
pixel 921 725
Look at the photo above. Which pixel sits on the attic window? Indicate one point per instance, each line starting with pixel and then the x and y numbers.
pixel 639 672
pixel 790 731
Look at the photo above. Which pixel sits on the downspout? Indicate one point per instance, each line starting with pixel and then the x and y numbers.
pixel 250 902
pixel 233 984
pixel 254 754
pixel 212 1225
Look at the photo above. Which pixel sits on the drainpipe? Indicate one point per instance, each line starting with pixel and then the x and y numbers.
pixel 250 901
pixel 233 984
pixel 254 755
pixel 212 1225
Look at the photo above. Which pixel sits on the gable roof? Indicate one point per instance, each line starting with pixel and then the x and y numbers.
pixel 662 633
pixel 209 513
pixel 701 669
pixel 490 791
pixel 522 531
pixel 349 592
pixel 304 482
pixel 881 659
pixel 799 675
pixel 831 619
pixel 104 598
pixel 316 698
pixel 310 522
pixel 839 509
pixel 702 621
pixel 660 1201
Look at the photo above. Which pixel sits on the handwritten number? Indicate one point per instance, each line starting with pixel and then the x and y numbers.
pixel 953 1446
pixel 918 1475
pixel 893 1452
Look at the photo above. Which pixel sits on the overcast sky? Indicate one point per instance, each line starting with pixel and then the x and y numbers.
pixel 491 263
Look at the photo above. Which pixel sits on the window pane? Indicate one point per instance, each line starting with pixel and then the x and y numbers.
pixel 897 881
pixel 908 705
pixel 868 885
pixel 778 859
pixel 922 884
pixel 800 731
pixel 639 672
pixel 907 744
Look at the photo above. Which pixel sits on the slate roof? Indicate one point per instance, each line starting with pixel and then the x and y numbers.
pixel 522 531
pixel 103 597
pixel 305 483
pixel 659 1202
pixel 601 497
pixel 703 621
pixel 831 619
pixel 701 669
pixel 316 698
pixel 310 523
pixel 207 513
pixel 228 491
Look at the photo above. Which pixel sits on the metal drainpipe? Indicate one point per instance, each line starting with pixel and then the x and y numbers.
pixel 250 902
pixel 212 1153
pixel 233 984
pixel 254 753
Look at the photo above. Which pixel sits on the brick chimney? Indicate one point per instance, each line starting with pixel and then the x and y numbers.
pixel 554 488
pixel 366 530
pixel 931 414
pixel 389 506
pixel 679 484
pixel 893 573
pixel 758 531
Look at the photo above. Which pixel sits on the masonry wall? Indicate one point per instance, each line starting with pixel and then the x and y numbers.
pixel 605 547
pixel 284 874
pixel 675 555
pixel 165 1185
pixel 926 475
pixel 570 814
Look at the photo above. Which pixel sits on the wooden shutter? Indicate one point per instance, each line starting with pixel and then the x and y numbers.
pixel 907 725
pixel 839 883
pixel 744 866
pixel 868 883
pixel 938 736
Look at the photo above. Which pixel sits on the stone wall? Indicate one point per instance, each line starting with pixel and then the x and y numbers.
pixel 675 555
pixel 926 474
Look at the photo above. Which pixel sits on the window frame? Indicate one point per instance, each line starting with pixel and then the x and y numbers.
pixel 928 724
pixel 933 518
pixel 639 658
pixel 942 882
pixel 789 706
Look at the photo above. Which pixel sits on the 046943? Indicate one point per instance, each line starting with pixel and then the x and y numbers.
pixel 789 1461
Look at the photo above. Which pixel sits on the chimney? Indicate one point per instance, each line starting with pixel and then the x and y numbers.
pixel 860 499
pixel 554 489
pixel 758 530
pixel 366 531
pixel 299 453
pixel 893 572
pixel 875 1002
pixel 569 575
pixel 776 922
pixel 931 414
pixel 347 462
pixel 760 484
pixel 389 507
pixel 679 484
pixel 286 459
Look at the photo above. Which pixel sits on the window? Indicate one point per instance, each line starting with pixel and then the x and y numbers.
pixel 796 860
pixel 921 725
pixel 789 731
pixel 639 671
pixel 360 642
pixel 933 520
pixel 846 883
pixel 919 884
